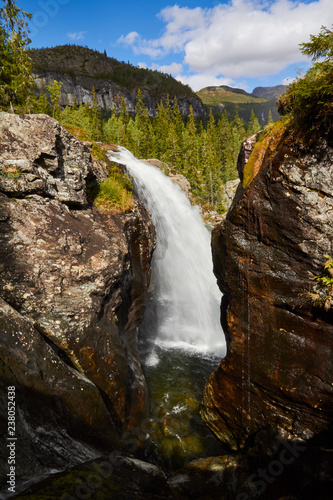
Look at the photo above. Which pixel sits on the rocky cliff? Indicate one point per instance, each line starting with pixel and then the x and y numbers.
pixel 109 95
pixel 277 376
pixel 73 287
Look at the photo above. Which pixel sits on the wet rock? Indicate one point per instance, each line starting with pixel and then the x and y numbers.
pixel 113 476
pixel 73 283
pixel 271 467
pixel 278 368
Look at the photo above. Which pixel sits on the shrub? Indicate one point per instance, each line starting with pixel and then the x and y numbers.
pixel 309 99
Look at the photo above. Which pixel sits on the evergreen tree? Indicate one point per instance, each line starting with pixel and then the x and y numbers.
pixel 43 105
pixel 192 164
pixel 74 105
pixel 238 135
pixel 96 124
pixel 211 162
pixel 16 80
pixel 253 125
pixel 226 148
pixel 144 144
pixel 55 90
pixel 161 128
pixel 270 118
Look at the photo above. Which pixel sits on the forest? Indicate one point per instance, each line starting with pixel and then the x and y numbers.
pixel 205 153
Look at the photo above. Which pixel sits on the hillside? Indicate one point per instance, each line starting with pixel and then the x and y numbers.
pixel 269 92
pixel 80 69
pixel 214 96
pixel 224 97
pixel 75 60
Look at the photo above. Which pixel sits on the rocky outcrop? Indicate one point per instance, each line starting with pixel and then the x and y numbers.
pixel 109 95
pixel 278 370
pixel 73 287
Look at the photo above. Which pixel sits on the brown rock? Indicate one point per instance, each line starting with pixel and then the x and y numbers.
pixel 278 368
pixel 76 282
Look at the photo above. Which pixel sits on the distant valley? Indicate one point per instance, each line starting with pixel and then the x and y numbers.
pixel 261 100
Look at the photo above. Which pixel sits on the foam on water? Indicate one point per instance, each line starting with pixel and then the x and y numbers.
pixel 186 296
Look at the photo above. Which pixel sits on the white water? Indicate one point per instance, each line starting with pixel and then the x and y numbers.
pixel 187 299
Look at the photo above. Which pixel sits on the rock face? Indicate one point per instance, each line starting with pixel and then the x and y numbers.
pixel 278 370
pixel 109 95
pixel 73 287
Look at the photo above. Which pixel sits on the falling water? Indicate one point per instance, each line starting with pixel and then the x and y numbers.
pixel 186 296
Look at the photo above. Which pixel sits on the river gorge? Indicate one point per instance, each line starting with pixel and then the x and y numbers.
pixel 126 384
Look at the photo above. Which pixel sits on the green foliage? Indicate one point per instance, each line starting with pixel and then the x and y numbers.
pixel 43 105
pixel 115 193
pixel 226 98
pixel 55 90
pixel 10 173
pixel 322 295
pixel 253 125
pixel 16 81
pixel 75 60
pixel 309 99
pixel 205 153
pixel 266 145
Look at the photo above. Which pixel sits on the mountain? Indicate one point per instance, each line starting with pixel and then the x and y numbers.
pixel 224 97
pixel 214 96
pixel 80 69
pixel 269 92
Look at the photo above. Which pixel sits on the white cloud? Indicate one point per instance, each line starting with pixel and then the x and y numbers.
pixel 77 36
pixel 141 46
pixel 173 68
pixel 241 38
pixel 201 80
pixel 288 80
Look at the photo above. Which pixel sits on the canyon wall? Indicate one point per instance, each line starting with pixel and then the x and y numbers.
pixel 270 400
pixel 73 287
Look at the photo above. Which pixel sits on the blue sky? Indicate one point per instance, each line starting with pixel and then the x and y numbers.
pixel 241 43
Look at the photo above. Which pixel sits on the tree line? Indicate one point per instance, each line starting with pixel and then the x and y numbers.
pixel 205 152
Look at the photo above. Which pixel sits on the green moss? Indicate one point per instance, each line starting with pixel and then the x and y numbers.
pixel 115 193
pixel 10 173
pixel 265 146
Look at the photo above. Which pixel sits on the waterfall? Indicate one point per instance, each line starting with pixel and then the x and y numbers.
pixel 186 299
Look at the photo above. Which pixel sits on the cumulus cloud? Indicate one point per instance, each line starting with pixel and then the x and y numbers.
pixel 77 36
pixel 201 80
pixel 140 45
pixel 173 68
pixel 240 38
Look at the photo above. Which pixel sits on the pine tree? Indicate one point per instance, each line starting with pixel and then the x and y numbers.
pixel 16 80
pixel 211 162
pixel 192 163
pixel 144 144
pixel 96 124
pixel 43 105
pixel 74 105
pixel 226 148
pixel 253 125
pixel 270 118
pixel 55 91
pixel 161 128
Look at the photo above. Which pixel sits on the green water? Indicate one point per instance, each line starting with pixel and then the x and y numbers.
pixel 176 380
